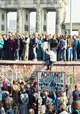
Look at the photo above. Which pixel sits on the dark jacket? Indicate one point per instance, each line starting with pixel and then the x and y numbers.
pixel 11 45
pixel 17 43
pixel 53 43
pixel 6 43
pixel 35 42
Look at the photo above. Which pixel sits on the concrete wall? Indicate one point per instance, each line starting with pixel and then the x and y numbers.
pixel 13 70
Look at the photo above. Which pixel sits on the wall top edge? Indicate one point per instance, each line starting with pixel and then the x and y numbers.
pixel 71 63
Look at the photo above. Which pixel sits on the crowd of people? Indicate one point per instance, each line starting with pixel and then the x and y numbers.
pixel 33 46
pixel 22 97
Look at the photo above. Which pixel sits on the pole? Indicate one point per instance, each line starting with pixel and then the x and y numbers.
pixel 70 17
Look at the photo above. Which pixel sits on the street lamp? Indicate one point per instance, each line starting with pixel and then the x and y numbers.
pixel 70 17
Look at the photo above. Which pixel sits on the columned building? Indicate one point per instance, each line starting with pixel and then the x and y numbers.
pixel 25 7
pixel 75 28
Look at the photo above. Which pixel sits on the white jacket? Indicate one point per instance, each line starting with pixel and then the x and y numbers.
pixel 53 55
pixel 64 112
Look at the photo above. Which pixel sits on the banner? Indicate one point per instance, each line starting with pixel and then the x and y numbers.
pixel 51 81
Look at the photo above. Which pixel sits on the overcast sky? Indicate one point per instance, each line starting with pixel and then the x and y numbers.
pixel 51 16
pixel 75 11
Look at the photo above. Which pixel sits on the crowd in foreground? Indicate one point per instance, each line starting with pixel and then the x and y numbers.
pixel 33 46
pixel 22 97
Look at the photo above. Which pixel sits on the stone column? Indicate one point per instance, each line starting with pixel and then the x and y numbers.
pixel 44 21
pixel 79 32
pixel 38 20
pixel 6 24
pixel 59 20
pixel 26 21
pixel 3 21
pixel 19 21
pixel 23 21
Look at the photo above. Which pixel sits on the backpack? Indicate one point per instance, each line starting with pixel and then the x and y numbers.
pixel 24 98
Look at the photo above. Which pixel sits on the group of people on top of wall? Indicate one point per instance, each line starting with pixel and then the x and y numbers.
pixel 37 46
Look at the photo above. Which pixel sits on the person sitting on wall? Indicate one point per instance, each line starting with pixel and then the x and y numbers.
pixel 53 56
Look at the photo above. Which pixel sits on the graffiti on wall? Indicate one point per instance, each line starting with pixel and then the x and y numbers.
pixel 25 71
pixel 69 71
pixel 18 71
pixel 72 73
pixel 77 75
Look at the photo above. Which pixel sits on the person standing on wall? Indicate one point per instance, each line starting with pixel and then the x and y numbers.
pixel 26 47
pixel 1 46
pixel 35 45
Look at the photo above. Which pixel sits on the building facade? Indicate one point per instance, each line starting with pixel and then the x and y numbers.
pixel 25 7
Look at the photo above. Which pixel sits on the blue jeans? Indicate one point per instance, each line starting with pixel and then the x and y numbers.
pixel 9 111
pixel 64 54
pixel 75 53
pixel 44 55
pixel 23 109
pixel 39 51
pixel 17 54
pixel 60 54
pixel 70 54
